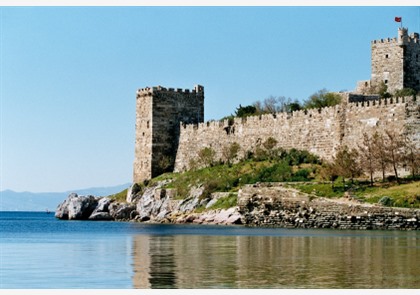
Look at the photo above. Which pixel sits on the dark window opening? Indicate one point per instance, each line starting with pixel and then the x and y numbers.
pixel 386 55
pixel 386 81
pixel 147 124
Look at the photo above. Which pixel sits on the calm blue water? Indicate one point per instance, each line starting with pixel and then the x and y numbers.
pixel 39 251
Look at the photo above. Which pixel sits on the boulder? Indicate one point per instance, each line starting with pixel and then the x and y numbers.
pixel 76 207
pixel 122 211
pixel 132 193
pixel 100 216
pixel 103 205
pixel 227 216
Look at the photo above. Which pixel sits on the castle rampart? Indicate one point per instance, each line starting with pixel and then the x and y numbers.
pixel 318 131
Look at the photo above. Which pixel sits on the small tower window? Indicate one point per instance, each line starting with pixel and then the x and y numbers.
pixel 386 81
pixel 386 56
pixel 147 124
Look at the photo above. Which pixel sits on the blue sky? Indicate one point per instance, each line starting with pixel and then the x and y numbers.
pixel 69 74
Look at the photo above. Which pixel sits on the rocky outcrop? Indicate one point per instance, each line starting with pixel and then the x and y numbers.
pixel 76 207
pixel 157 204
pixel 153 204
pixel 219 216
pixel 122 211
pixel 101 211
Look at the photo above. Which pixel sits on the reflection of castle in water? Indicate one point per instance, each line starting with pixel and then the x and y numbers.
pixel 187 261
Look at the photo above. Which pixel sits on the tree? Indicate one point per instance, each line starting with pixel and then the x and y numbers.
pixel 346 163
pixel 230 152
pixel 367 157
pixel 321 99
pixel 411 155
pixel 165 163
pixel 294 106
pixel 395 150
pixel 380 152
pixel 383 90
pixel 269 146
pixel 206 156
pixel 405 92
pixel 245 111
pixel 278 104
pixel 329 172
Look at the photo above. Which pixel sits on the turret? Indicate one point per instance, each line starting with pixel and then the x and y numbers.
pixel 402 36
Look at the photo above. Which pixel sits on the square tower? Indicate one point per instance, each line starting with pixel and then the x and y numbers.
pixel 396 62
pixel 159 112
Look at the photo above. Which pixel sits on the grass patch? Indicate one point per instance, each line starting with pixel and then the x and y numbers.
pixel 388 194
pixel 225 202
pixel 404 195
pixel 120 197
pixel 321 189
pixel 229 178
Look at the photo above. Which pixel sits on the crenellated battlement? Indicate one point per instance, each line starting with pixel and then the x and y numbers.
pixel 382 101
pixel 160 89
pixel 320 113
pixel 386 40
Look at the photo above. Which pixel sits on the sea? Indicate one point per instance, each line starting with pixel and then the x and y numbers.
pixel 38 251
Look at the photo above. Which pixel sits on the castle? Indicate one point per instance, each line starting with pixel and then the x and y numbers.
pixel 395 62
pixel 170 128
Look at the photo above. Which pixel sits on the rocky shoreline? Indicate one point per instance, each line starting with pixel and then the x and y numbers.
pixel 257 205
pixel 154 205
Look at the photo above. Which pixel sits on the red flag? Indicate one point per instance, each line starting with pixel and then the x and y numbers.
pixel 398 19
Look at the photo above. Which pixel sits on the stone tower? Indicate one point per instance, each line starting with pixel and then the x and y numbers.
pixel 396 62
pixel 159 112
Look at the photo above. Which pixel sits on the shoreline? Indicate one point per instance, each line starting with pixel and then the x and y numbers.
pixel 258 205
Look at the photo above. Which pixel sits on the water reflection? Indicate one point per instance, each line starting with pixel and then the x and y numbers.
pixel 189 261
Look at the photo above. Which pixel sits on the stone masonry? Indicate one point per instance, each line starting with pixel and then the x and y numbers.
pixel 272 204
pixel 159 112
pixel 319 131
pixel 396 62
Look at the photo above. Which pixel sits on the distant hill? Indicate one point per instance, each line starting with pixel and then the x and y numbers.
pixel 28 201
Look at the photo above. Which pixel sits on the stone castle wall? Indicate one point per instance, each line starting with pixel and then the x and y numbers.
pixel 158 113
pixel 319 131
pixel 387 64
pixel 412 63
pixel 394 61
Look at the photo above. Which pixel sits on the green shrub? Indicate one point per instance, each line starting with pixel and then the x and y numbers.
pixel 386 201
pixel 301 175
pixel 206 156
pixel 275 173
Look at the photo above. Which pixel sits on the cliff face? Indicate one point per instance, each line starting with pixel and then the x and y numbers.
pixel 257 205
